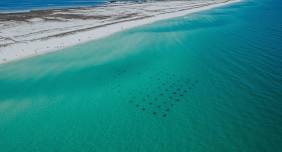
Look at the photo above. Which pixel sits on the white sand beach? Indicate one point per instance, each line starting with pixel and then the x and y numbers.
pixel 33 33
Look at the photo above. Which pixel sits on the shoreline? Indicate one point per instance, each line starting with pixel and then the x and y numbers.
pixel 44 36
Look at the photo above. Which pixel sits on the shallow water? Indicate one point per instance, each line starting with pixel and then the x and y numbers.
pixel 210 81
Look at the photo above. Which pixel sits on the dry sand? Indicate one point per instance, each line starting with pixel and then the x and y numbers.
pixel 33 33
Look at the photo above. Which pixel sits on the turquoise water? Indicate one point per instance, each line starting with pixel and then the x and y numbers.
pixel 210 81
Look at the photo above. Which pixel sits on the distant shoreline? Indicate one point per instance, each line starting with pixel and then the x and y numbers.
pixel 24 35
pixel 50 7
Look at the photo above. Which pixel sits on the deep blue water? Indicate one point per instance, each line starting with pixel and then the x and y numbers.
pixel 25 5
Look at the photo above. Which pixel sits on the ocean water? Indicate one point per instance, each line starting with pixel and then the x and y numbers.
pixel 210 81
pixel 26 5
